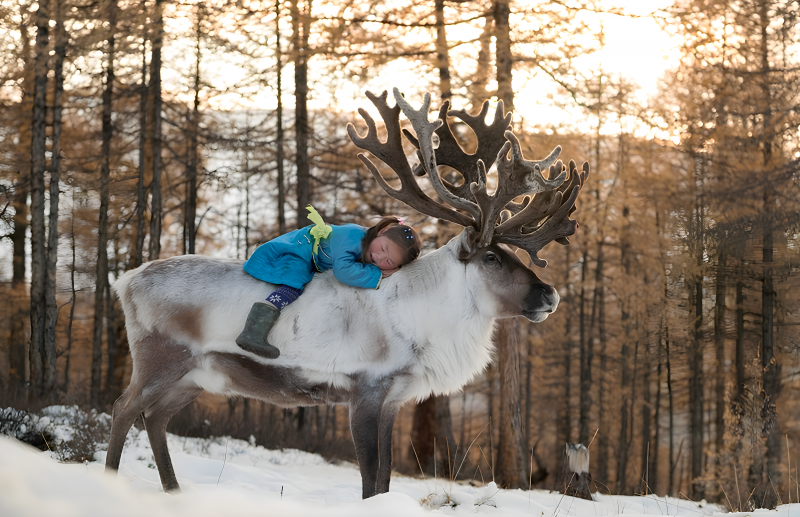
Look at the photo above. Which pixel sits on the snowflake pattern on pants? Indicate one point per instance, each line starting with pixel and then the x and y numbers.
pixel 283 296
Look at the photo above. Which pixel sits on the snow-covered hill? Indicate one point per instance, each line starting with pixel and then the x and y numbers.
pixel 222 477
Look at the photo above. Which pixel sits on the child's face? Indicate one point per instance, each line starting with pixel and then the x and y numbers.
pixel 384 253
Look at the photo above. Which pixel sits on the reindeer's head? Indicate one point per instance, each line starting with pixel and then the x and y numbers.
pixel 492 222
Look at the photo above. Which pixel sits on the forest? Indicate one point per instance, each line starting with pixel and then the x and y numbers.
pixel 135 130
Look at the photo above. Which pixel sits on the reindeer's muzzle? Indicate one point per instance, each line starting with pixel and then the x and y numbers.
pixel 540 302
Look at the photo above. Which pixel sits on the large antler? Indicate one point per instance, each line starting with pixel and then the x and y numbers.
pixel 540 218
pixel 392 154
pixel 515 177
pixel 490 137
pixel 544 218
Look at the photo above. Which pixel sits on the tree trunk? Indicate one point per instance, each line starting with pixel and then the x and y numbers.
pixel 20 202
pixel 719 345
pixel 770 368
pixel 696 345
pixel 190 210
pixel 654 448
pixel 137 256
pixel 511 471
pixel 52 237
pixel 279 115
pixel 696 389
pixel 626 381
pixel 622 447
pixel 505 92
pixel 478 91
pixel 433 425
pixel 22 185
pixel 646 415
pixel 442 52
pixel 740 366
pixel 38 249
pixel 301 23
pixel 155 90
pixel 247 206
pixel 68 350
pixel 672 459
pixel 586 356
pixel 564 420
pixel 101 269
pixel 602 437
pixel 17 340
pixel 527 391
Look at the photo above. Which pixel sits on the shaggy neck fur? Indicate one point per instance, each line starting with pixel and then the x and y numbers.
pixel 449 339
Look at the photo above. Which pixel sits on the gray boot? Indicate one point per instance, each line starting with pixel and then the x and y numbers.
pixel 259 322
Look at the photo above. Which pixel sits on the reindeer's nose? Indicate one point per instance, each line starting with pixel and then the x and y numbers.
pixel 542 298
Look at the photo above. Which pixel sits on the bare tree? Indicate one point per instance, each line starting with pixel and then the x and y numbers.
pixel 101 267
pixel 301 25
pixel 154 88
pixel 279 152
pixel 55 169
pixel 38 164
pixel 193 120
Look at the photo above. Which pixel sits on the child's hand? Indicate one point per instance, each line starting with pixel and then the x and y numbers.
pixel 385 273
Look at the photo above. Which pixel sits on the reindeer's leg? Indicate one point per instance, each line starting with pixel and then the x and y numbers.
pixel 385 447
pixel 365 416
pixel 157 393
pixel 157 432
pixel 126 409
pixel 156 418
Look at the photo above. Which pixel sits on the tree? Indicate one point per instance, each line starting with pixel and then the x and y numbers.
pixel 51 306
pixel 101 268
pixel 301 26
pixel 155 135
pixel 38 354
pixel 137 253
pixel 193 120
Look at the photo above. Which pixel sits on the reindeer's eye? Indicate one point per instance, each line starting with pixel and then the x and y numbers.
pixel 491 259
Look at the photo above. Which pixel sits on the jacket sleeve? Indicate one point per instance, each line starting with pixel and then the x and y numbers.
pixel 346 251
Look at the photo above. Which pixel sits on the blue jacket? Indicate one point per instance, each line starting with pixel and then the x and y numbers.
pixel 288 259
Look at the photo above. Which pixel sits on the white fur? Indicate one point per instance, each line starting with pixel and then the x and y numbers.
pixel 208 379
pixel 431 322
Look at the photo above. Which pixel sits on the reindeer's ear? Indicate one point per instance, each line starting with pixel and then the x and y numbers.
pixel 467 244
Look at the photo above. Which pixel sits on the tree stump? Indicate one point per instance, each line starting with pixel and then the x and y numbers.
pixel 576 477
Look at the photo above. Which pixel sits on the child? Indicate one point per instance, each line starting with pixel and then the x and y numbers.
pixel 359 257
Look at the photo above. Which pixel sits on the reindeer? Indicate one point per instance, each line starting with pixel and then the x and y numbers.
pixel 427 330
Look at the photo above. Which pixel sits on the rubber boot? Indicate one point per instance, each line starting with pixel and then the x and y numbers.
pixel 259 322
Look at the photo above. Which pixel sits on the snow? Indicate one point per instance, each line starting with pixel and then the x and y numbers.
pixel 222 476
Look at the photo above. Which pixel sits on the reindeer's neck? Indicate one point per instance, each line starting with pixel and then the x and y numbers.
pixel 451 340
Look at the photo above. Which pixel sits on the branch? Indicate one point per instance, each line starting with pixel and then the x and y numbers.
pixel 402 24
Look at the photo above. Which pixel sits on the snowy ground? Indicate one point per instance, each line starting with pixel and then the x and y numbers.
pixel 221 476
